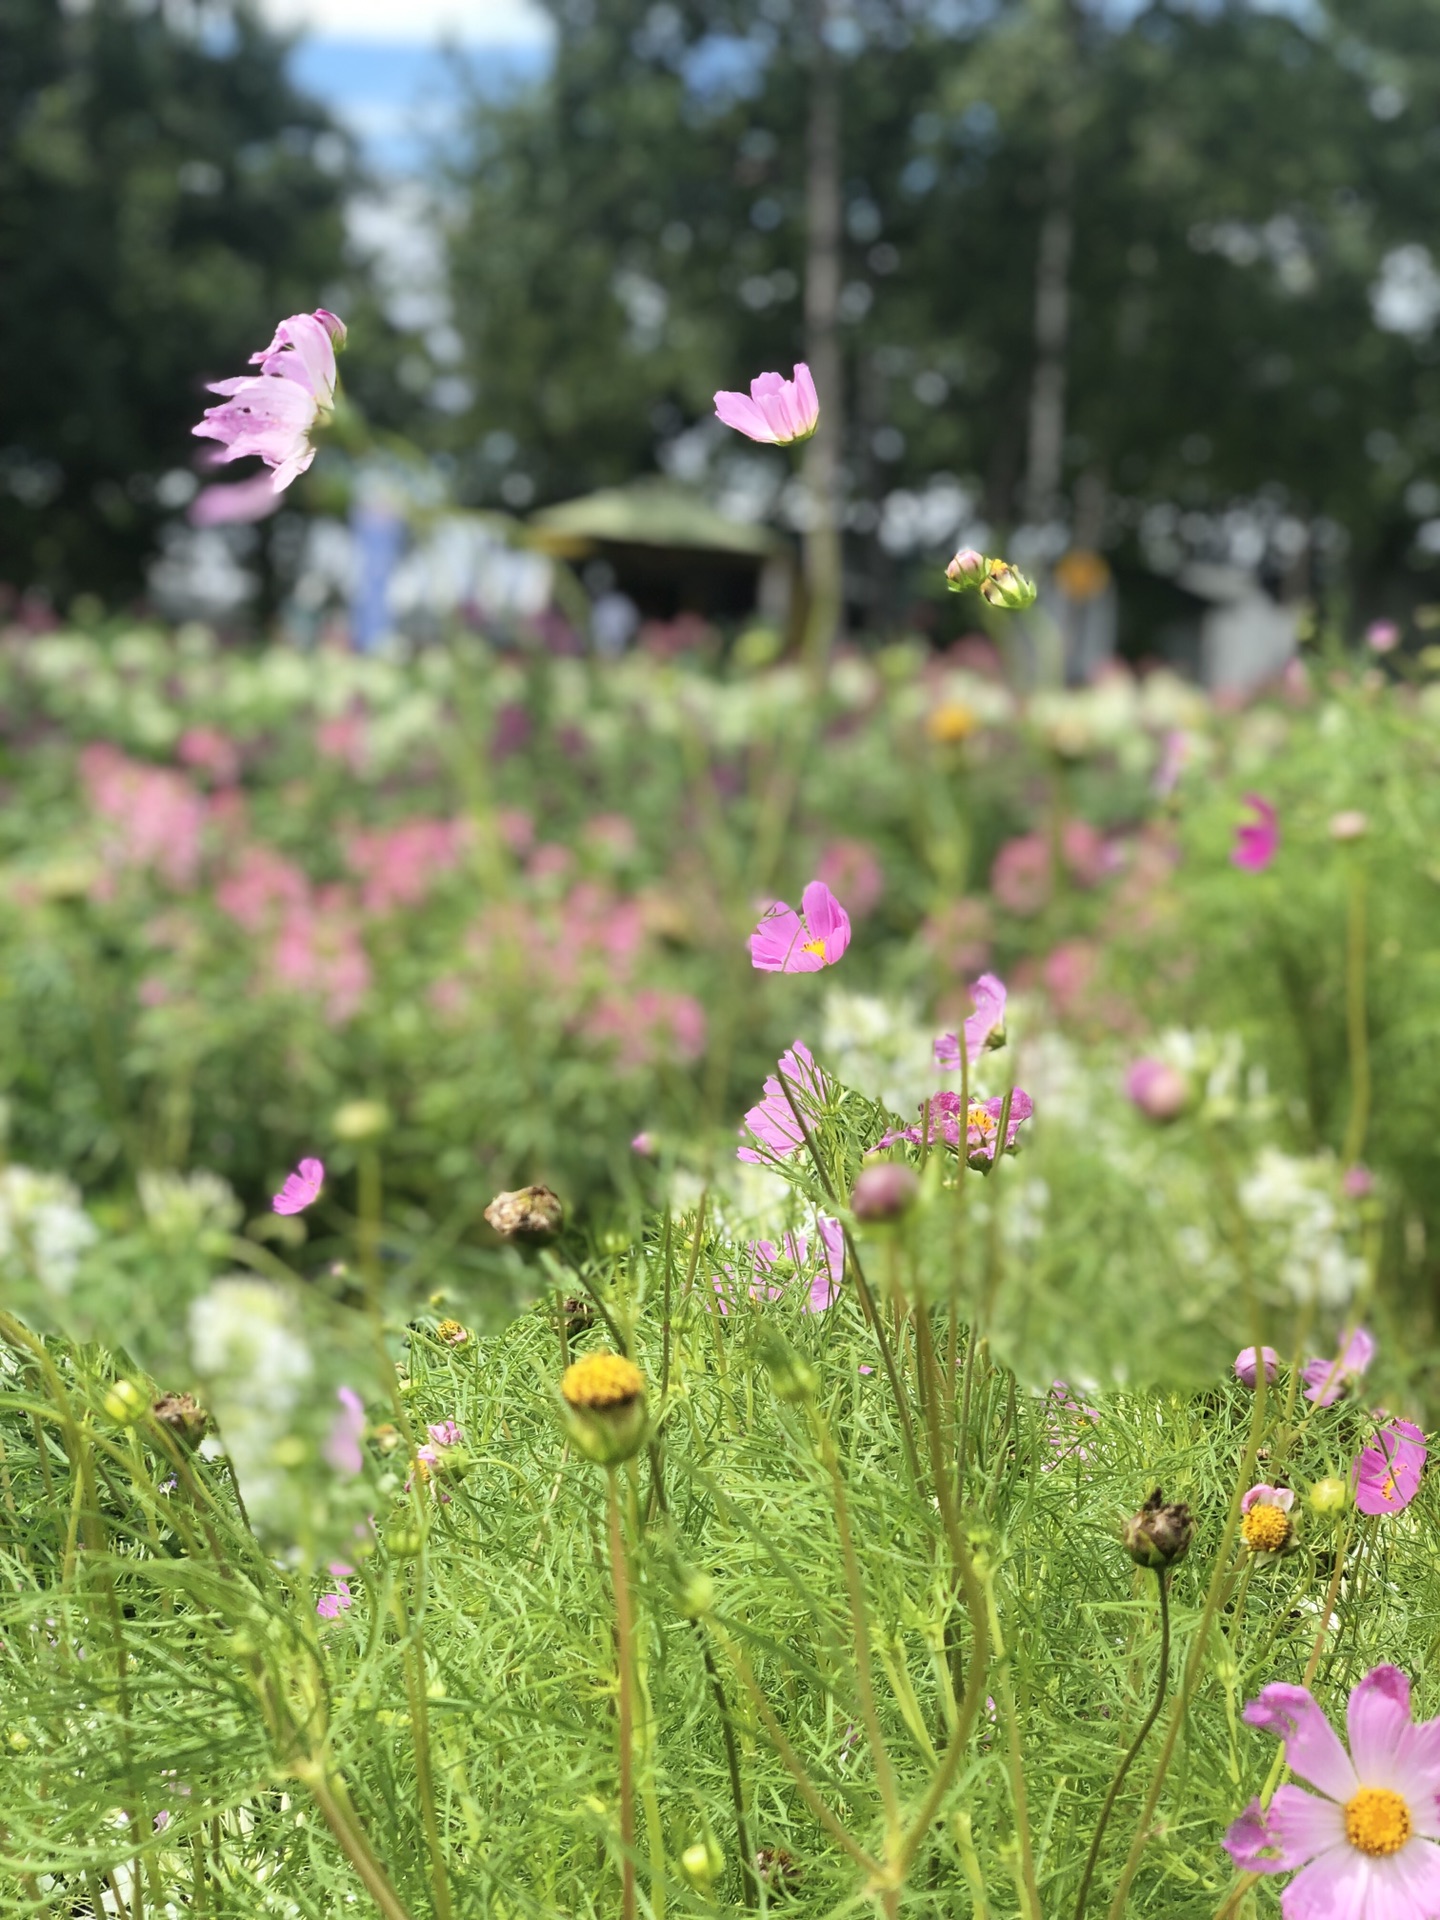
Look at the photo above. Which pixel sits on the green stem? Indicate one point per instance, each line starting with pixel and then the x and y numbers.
pixel 413 1629
pixel 749 1878
pixel 329 1795
pixel 1357 1026
pixel 1163 1578
pixel 624 1647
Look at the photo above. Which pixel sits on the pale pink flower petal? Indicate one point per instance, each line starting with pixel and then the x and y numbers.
pixel 1312 1746
pixel 772 1123
pixel 304 351
pixel 825 1287
pixel 984 1028
pixel 738 410
pixel 301 1188
pixel 1388 1472
pixel 1290 1832
pixel 1282 1497
pixel 1378 1723
pixel 342 1443
pixel 776 411
pixel 238 504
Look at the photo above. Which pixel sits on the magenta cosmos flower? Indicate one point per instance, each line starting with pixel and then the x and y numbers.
pixel 772 1124
pixel 985 1027
pixel 1365 1844
pixel 1256 840
pixel 776 411
pixel 822 1273
pixel 301 1188
pixel 1245 1367
pixel 1326 1380
pixel 982 1125
pixel 270 414
pixel 1387 1473
pixel 804 942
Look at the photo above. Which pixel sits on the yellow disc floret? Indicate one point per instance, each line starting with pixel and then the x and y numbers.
pixel 1377 1821
pixel 951 723
pixel 602 1380
pixel 1266 1528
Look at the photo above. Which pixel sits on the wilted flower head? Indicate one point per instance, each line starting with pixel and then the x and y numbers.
pixel 1159 1535
pixel 270 414
pixel 301 1188
pixel 1256 840
pixel 984 1029
pixel 1387 1472
pixel 530 1213
pixel 451 1333
pixel 1326 1380
pixel 775 410
pixel 1366 1846
pixel 183 1414
pixel 1265 1525
pixel 773 1123
pixel 804 942
pixel 1160 1090
pixel 1245 1369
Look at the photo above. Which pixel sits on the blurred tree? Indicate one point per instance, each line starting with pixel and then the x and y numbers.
pixel 1158 275
pixel 165 197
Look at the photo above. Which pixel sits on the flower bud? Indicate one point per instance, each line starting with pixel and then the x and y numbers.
pixel 124 1402
pixel 1329 1496
pixel 359 1120
pixel 403 1540
pixel 1005 586
pixel 451 1333
pixel 884 1191
pixel 702 1862
pixel 1246 1369
pixel 1160 1091
pixel 1382 636
pixel 604 1396
pixel 1159 1535
pixel 1349 825
pixel 696 1595
pixel 183 1415
pixel 530 1213
pixel 791 1375
pixel 967 569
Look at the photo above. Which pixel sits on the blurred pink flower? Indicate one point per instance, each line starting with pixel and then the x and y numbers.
pixel 650 1024
pixel 1069 972
pixel 397 865
pixel 982 1124
pixel 1256 840
pixel 851 867
pixel 344 737
pixel 342 1444
pixel 959 935
pixel 236 504
pixel 270 414
pixel 772 1123
pixel 823 1284
pixel 1358 1183
pixel 445 1433
pixel 330 1606
pixel 804 942
pixel 318 950
pixel 156 819
pixel 1174 752
pixel 1246 1370
pixel 775 410
pixel 210 751
pixel 260 886
pixel 517 828
pixel 612 834
pixel 1387 1472
pixel 644 1145
pixel 1160 1091
pixel 1382 636
pixel 301 1189
pixel 512 731
pixel 1020 877
pixel 985 1028
pixel 1086 852
pixel 1326 1380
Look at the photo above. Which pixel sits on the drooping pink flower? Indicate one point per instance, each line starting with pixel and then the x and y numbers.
pixel 1246 1370
pixel 1382 636
pixel 1326 1380
pixel 238 503
pixel 985 1027
pixel 1256 840
pixel 804 942
pixel 301 1188
pixel 330 1606
pixel 270 414
pixel 342 1444
pixel 776 411
pixel 772 1124
pixel 1160 1091
pixel 1387 1472
pixel 1020 878
pixel 852 868
pixel 942 1110
pixel 1365 1844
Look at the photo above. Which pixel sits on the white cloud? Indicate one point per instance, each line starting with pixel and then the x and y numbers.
pixel 478 22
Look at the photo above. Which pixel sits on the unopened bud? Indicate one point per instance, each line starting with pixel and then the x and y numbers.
pixel 967 569
pixel 403 1540
pixel 702 1863
pixel 791 1375
pixel 124 1402
pixel 1159 1535
pixel 1160 1091
pixel 1005 586
pixel 884 1192
pixel 696 1595
pixel 1349 825
pixel 360 1120
pixel 604 1396
pixel 1329 1496
pixel 183 1415
pixel 530 1213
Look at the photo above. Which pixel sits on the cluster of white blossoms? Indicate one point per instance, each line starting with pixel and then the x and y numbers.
pixel 188 1208
pixel 879 1047
pixel 255 1368
pixel 1295 1205
pixel 44 1228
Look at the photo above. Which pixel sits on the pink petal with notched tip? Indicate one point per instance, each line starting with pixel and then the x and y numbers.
pixel 301 1188
pixel 1378 1723
pixel 739 411
pixel 1312 1746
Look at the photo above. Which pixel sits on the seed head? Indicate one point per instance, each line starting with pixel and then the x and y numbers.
pixel 452 1333
pixel 530 1213
pixel 1158 1535
pixel 183 1415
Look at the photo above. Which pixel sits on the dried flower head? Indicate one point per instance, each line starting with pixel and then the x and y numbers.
pixel 183 1414
pixel 451 1333
pixel 776 1867
pixel 1159 1535
pixel 530 1213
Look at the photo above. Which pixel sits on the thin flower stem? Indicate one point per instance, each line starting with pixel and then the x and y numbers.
pixel 1357 1027
pixel 749 1877
pixel 329 1795
pixel 1162 1577
pixel 413 1631
pixel 1014 1764
pixel 624 1647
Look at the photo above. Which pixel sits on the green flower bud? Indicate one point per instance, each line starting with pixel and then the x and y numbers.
pixel 791 1375
pixel 702 1862
pixel 1329 1496
pixel 1005 586
pixel 360 1120
pixel 604 1396
pixel 124 1402
pixel 1159 1536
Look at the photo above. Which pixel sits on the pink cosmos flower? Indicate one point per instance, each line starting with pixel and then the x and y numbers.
pixel 342 1443
pixel 1245 1368
pixel 804 942
pixel 824 1281
pixel 1160 1091
pixel 1382 636
pixel 1020 878
pixel 238 504
pixel 1357 1183
pixel 445 1433
pixel 1256 840
pixel 1365 1844
pixel 270 414
pixel 982 1125
pixel 301 1188
pixel 1070 1426
pixel 1326 1380
pixel 644 1145
pixel 985 1027
pixel 330 1606
pixel 776 411
pixel 1387 1473
pixel 772 1124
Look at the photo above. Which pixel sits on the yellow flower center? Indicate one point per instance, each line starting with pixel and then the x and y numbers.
pixel 952 722
pixel 983 1122
pixel 815 947
pixel 1377 1821
pixel 1266 1528
pixel 602 1380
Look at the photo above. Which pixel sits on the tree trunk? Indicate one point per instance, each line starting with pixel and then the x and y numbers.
pixel 823 454
pixel 1045 465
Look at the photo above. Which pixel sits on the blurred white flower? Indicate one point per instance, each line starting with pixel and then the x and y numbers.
pixel 44 1229
pixel 1292 1201
pixel 878 1047
pixel 184 1208
pixel 255 1368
